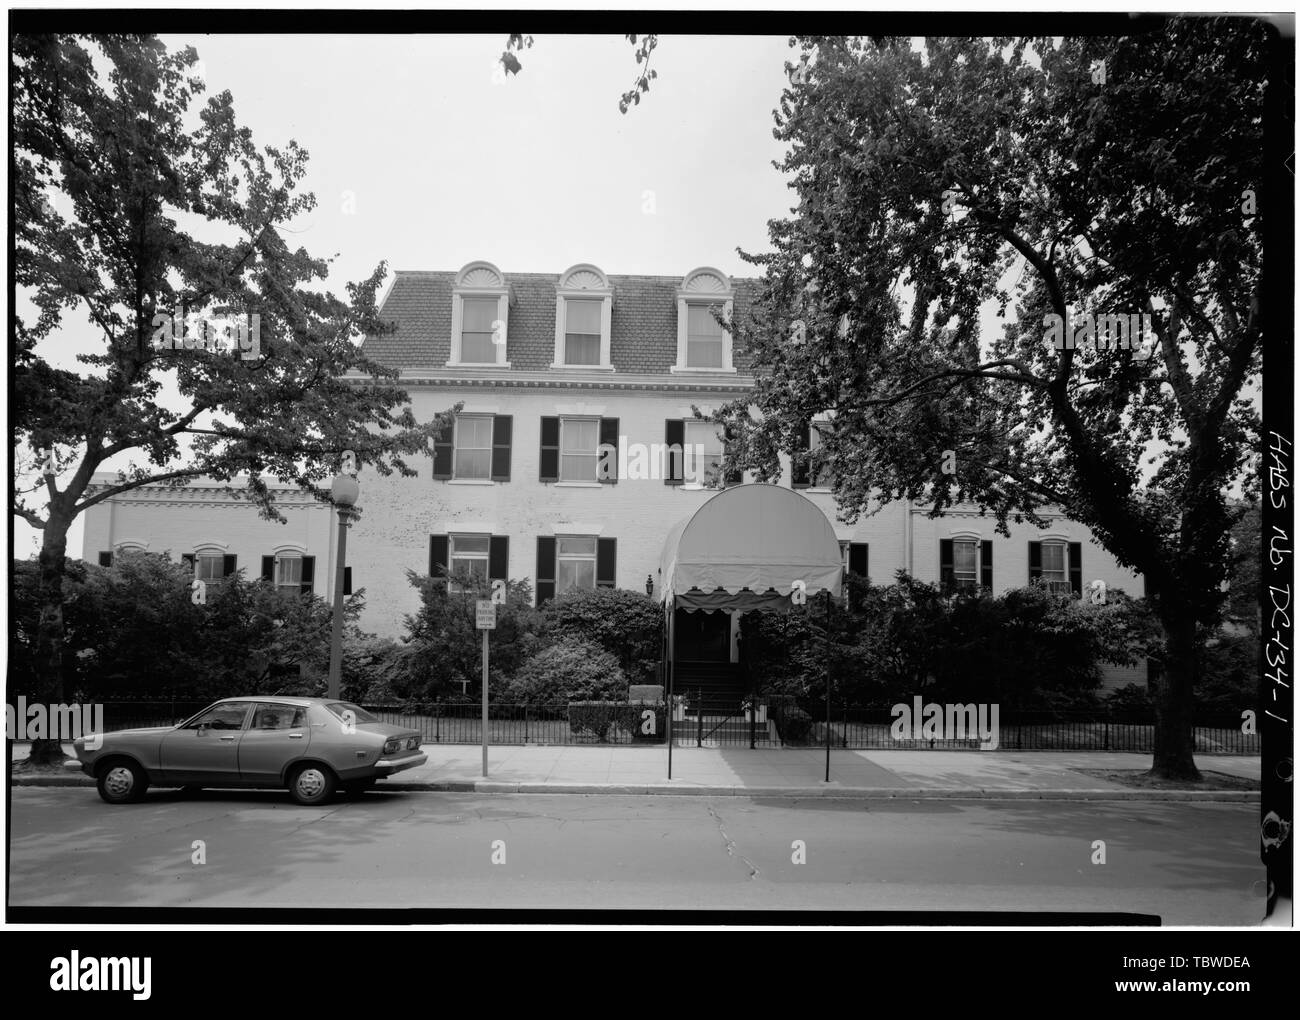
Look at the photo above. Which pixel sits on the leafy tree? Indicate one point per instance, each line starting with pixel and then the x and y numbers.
pixel 133 630
pixel 632 97
pixel 445 648
pixel 1113 175
pixel 107 180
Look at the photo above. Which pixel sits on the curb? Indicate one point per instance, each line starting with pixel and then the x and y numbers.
pixel 831 792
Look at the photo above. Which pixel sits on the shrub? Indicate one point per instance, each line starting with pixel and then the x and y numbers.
pixel 792 722
pixel 569 670
pixel 1131 703
pixel 599 717
pixel 627 624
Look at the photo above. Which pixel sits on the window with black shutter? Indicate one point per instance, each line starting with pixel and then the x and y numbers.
pixel 731 477
pixel 946 575
pixel 502 429
pixel 189 559
pixel 106 559
pixel 986 564
pixel 607 462
pixel 858 567
pixel 439 555
pixel 606 563
pixel 1035 561
pixel 800 473
pixel 545 568
pixel 227 565
pixel 1076 567
pixel 550 451
pixel 444 451
pixel 499 558
pixel 268 568
pixel 674 441
pixel 308 574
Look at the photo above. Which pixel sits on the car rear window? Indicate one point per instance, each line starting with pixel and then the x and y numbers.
pixel 359 714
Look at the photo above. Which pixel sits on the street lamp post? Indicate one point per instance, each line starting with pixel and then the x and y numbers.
pixel 345 490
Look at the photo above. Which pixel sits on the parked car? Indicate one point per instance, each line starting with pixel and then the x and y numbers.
pixel 310 746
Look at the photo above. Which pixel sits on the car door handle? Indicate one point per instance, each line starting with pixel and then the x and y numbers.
pixel 231 737
pixel 295 736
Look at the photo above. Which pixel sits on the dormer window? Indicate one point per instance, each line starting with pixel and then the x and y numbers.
pixel 480 313
pixel 703 343
pixel 583 310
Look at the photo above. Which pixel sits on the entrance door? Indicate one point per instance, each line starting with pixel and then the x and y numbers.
pixel 702 637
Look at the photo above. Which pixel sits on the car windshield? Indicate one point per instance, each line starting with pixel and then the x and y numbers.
pixel 359 714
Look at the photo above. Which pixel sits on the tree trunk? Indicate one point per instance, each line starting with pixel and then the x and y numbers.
pixel 48 657
pixel 1174 703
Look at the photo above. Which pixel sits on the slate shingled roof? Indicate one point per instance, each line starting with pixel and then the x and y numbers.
pixel 643 325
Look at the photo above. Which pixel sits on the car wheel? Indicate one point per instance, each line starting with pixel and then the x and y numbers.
pixel 311 784
pixel 123 782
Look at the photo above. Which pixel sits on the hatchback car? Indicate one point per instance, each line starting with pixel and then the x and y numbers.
pixel 310 746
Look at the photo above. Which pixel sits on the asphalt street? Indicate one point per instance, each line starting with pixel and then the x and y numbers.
pixel 1189 863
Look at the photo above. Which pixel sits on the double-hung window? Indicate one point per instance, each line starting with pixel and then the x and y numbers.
pixel 476 334
pixel 582 331
pixel 703 454
pixel 1056 566
pixel 469 555
pixel 579 449
pixel 575 562
pixel 704 337
pixel 473 446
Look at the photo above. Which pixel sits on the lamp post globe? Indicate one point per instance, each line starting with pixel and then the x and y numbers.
pixel 344 491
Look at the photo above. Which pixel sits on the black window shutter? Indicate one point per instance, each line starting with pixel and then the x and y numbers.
pixel 268 568
pixel 731 477
pixel 498 558
pixel 550 450
pixel 227 565
pixel 800 473
pixel 502 429
pixel 188 559
pixel 674 440
pixel 439 551
pixel 608 451
pixel 443 449
pixel 946 575
pixel 1076 567
pixel 606 562
pixel 347 580
pixel 1035 561
pixel 106 559
pixel 545 568
pixel 308 574
pixel 986 565
pixel 857 568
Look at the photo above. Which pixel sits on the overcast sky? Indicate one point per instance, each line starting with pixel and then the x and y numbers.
pixel 425 155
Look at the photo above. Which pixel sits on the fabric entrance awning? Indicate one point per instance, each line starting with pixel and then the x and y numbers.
pixel 746 547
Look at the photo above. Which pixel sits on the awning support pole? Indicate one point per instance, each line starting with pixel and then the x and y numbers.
pixel 828 686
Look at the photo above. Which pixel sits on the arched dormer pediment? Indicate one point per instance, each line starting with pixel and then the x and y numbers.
pixel 481 275
pixel 584 276
pixel 706 280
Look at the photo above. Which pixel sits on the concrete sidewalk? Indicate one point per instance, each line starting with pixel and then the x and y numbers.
pixel 788 772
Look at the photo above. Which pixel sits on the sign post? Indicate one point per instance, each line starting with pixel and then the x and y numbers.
pixel 485 619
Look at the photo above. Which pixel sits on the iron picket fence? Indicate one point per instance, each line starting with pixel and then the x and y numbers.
pixel 699 720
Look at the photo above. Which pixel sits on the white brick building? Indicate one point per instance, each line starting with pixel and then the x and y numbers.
pixel 548 367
